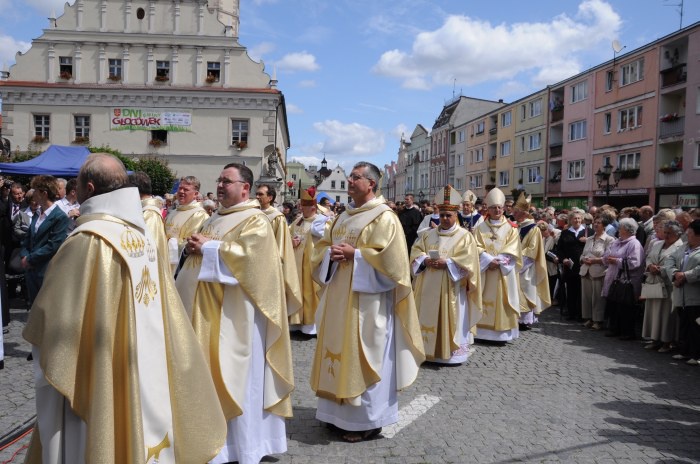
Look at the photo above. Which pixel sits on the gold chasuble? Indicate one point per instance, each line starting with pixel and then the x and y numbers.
pixel 310 290
pixel 292 288
pixel 114 340
pixel 180 225
pixel 154 222
pixel 222 314
pixel 436 293
pixel 534 285
pixel 500 298
pixel 352 325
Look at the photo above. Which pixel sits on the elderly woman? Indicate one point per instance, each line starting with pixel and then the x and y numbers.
pixel 569 249
pixel 627 248
pixel 664 215
pixel 660 325
pixel 592 273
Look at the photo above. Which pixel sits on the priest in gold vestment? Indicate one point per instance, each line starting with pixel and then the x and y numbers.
pixel 369 342
pixel 266 194
pixel 185 220
pixel 500 260
pixel 120 376
pixel 533 277
pixel 445 262
pixel 232 279
pixel 306 232
pixel 151 208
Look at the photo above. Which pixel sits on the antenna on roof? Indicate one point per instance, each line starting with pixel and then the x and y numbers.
pixel 680 10
pixel 617 48
pixel 454 85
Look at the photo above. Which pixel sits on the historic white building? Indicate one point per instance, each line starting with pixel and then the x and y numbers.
pixel 148 77
pixel 336 186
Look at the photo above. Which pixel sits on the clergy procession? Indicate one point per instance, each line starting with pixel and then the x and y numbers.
pixel 163 334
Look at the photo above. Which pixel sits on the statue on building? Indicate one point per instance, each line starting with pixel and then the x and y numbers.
pixel 272 160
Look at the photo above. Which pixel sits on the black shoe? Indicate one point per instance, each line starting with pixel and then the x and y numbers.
pixel 5 330
pixel 30 357
pixel 524 327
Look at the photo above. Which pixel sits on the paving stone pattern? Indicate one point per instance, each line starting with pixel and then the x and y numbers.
pixel 560 393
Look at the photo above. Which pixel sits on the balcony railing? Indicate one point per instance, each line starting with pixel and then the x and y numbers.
pixel 675 75
pixel 557 115
pixel 555 149
pixel 666 179
pixel 671 128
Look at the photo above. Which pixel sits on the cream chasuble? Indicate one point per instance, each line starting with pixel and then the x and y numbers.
pixel 500 299
pixel 180 225
pixel 292 287
pixel 445 315
pixel 352 325
pixel 221 314
pixel 154 222
pixel 309 231
pixel 534 284
pixel 113 339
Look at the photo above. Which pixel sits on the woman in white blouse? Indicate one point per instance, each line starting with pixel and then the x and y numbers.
pixel 592 274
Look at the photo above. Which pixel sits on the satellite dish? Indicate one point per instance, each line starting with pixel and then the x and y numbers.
pixel 616 46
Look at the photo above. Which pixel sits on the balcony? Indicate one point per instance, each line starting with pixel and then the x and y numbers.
pixel 555 149
pixel 553 186
pixel 557 114
pixel 676 75
pixel 493 132
pixel 667 179
pixel 672 127
pixel 492 162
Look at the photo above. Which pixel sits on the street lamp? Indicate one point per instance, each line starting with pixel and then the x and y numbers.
pixel 603 179
pixel 421 195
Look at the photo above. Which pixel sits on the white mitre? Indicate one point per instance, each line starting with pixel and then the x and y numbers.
pixel 495 198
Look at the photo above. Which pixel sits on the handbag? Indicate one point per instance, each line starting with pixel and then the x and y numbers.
pixel 621 290
pixel 653 291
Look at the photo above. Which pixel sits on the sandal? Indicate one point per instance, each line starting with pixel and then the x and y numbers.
pixel 355 437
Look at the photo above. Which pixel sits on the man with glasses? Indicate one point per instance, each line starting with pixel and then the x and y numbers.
pixel 500 259
pixel 184 220
pixel 232 281
pixel 445 262
pixel 266 194
pixel 366 315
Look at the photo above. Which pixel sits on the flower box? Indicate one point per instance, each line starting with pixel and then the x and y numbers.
pixel 162 78
pixel 241 144
pixel 65 75
pixel 114 78
pixel 629 174
pixel 81 141
pixel 40 139
pixel 210 79
pixel 670 169
pixel 156 143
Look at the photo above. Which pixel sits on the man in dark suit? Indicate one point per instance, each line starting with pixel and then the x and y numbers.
pixel 410 218
pixel 47 232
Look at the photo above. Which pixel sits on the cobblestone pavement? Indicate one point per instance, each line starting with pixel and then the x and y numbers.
pixel 560 393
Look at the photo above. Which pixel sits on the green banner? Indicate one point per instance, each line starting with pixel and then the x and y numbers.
pixel 150 119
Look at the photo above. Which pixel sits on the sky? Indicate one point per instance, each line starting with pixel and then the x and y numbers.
pixel 357 74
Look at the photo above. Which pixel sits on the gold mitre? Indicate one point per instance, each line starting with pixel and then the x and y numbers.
pixel 448 199
pixel 469 196
pixel 523 203
pixel 495 197
pixel 308 196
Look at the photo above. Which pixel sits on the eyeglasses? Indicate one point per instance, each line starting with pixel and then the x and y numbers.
pixel 225 181
pixel 356 177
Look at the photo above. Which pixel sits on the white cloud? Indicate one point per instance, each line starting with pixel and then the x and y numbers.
pixel 257 52
pixel 9 48
pixel 301 61
pixel 294 109
pixel 350 139
pixel 473 51
pixel 401 130
pixel 307 84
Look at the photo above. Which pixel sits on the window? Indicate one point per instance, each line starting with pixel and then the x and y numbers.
pixel 577 130
pixel 535 108
pixel 82 127
pixel 607 123
pixel 294 177
pixel 333 185
pixel 697 155
pixel 579 91
pixel 159 137
pixel 629 118
pixel 576 169
pixel 477 181
pixel 628 161
pixel 65 67
pixel 506 119
pixel 535 141
pixel 479 155
pixel 337 198
pixel 522 144
pixel 162 70
pixel 213 71
pixel 342 183
pixel 239 131
pixel 609 79
pixel 505 148
pixel 533 175
pixel 632 72
pixel 115 68
pixel 503 178
pixel 42 125
pixel 523 112
pixel 453 138
pixel 460 136
pixel 460 159
pixel 480 127
pixel 460 183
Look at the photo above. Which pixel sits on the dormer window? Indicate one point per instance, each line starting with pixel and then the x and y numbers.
pixel 65 67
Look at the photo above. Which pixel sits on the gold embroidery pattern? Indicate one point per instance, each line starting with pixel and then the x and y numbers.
pixel 154 451
pixel 151 252
pixel 426 331
pixel 146 290
pixel 133 243
pixel 333 357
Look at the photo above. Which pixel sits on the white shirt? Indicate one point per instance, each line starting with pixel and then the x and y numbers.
pixel 42 217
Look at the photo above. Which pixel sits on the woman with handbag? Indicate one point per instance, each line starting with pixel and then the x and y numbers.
pixel 625 266
pixel 660 324
pixel 592 273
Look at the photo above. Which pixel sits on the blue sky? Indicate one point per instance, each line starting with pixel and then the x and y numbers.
pixel 357 74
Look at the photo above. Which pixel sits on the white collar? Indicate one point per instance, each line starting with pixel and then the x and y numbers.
pixel 124 203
